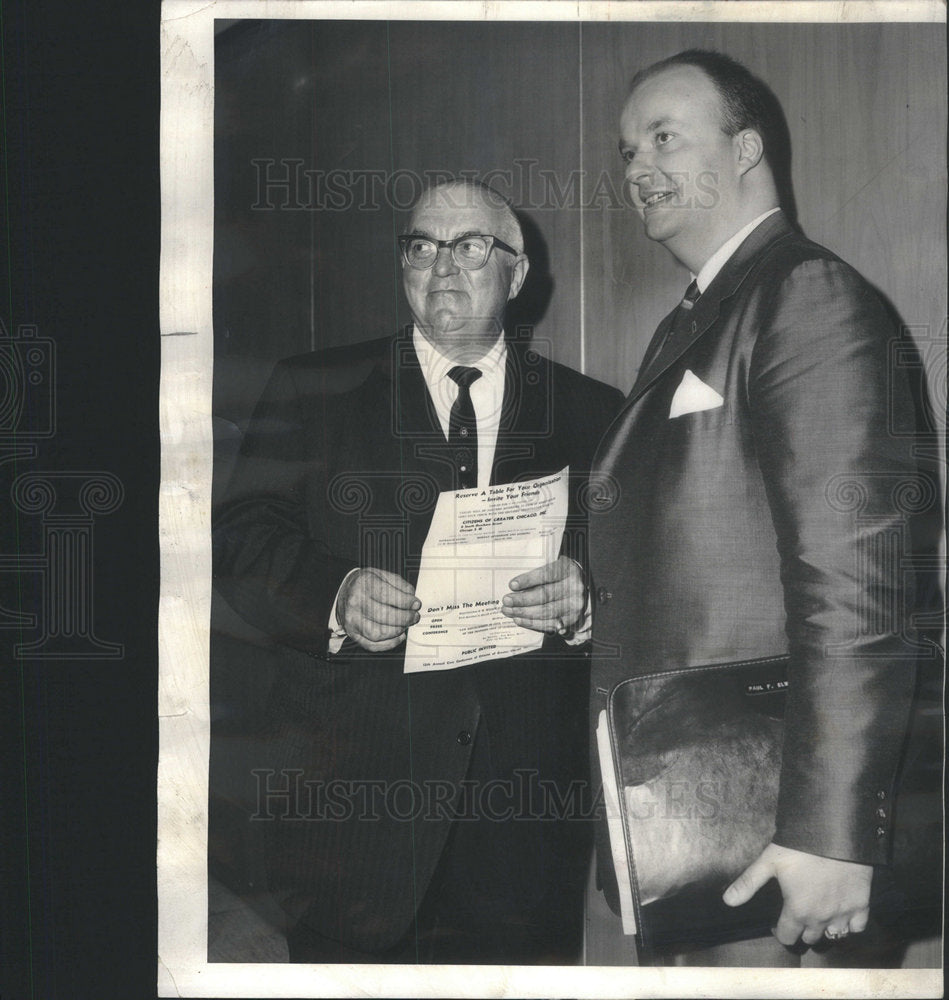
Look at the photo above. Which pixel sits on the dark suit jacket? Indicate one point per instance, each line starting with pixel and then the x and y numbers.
pixel 771 524
pixel 341 467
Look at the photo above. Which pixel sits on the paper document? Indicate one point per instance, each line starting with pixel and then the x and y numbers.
pixel 478 541
pixel 614 823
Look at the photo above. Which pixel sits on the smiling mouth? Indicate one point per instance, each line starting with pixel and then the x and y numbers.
pixel 657 198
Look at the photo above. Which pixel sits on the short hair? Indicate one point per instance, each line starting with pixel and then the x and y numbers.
pixel 509 229
pixel 746 101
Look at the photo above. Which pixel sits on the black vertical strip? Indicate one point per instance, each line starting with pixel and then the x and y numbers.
pixel 79 252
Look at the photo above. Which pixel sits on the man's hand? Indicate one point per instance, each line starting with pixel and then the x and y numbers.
pixel 819 893
pixel 375 608
pixel 549 599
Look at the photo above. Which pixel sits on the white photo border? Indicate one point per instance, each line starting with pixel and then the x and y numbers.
pixel 187 119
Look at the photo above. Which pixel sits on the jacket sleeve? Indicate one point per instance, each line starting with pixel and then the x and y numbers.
pixel 824 404
pixel 596 412
pixel 587 408
pixel 271 561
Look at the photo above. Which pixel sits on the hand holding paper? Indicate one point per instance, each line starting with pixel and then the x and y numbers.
pixel 376 607
pixel 547 599
pixel 478 542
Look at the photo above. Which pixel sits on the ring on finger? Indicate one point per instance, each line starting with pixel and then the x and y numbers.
pixel 836 935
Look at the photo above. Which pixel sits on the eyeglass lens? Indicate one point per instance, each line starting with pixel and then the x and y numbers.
pixel 467 251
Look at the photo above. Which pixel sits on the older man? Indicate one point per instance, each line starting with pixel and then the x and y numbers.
pixel 724 541
pixel 318 544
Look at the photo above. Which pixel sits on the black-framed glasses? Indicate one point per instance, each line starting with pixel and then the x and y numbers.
pixel 469 252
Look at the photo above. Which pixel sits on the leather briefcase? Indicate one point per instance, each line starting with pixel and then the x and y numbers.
pixel 697 757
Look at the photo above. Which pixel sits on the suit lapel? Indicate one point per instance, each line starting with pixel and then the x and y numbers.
pixel 650 358
pixel 523 417
pixel 522 433
pixel 419 432
pixel 416 429
pixel 705 314
pixel 702 316
pixel 706 310
pixel 412 408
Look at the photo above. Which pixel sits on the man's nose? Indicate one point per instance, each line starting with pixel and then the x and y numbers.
pixel 444 262
pixel 638 172
pixel 639 168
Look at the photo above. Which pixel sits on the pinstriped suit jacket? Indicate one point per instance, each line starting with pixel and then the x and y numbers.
pixel 341 467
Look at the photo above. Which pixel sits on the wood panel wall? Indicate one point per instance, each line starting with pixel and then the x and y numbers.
pixel 536 105
pixel 865 106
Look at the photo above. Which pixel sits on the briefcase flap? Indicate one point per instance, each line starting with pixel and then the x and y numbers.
pixel 698 756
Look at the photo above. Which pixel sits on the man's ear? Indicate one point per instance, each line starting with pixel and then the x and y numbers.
pixel 518 274
pixel 750 149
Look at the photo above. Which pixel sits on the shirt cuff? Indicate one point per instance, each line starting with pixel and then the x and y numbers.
pixel 583 631
pixel 337 632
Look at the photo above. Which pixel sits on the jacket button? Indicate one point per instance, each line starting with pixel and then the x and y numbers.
pixel 881 831
pixel 881 813
pixel 603 595
pixel 464 737
pixel 881 796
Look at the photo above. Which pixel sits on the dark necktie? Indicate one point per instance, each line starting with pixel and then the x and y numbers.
pixel 691 294
pixel 681 321
pixel 683 316
pixel 463 428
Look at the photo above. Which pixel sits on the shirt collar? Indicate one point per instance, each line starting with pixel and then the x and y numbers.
pixel 435 366
pixel 721 256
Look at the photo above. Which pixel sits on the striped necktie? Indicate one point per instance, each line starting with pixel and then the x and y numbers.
pixel 691 294
pixel 681 323
pixel 685 306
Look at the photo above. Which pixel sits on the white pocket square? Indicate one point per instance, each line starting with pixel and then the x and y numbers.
pixel 693 395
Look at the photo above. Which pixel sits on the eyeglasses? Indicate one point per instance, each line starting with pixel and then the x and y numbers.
pixel 468 252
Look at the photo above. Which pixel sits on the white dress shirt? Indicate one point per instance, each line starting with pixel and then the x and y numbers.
pixel 721 256
pixel 487 394
pixel 487 397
